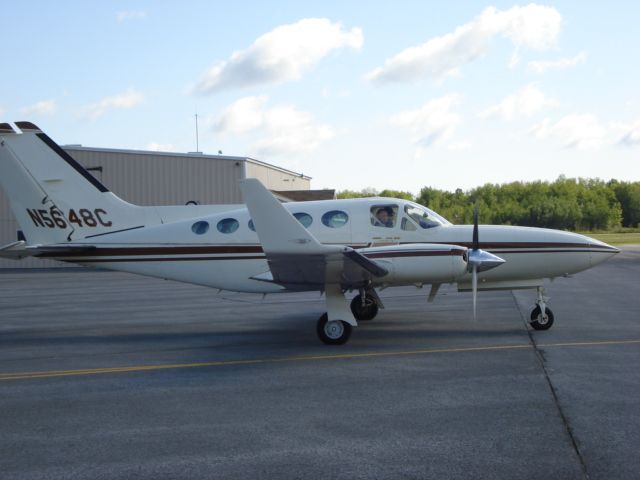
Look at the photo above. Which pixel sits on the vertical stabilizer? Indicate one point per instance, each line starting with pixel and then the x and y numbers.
pixel 52 196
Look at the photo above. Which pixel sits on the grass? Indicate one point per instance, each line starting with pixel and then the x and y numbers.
pixel 616 238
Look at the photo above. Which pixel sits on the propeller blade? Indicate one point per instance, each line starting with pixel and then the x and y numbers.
pixel 475 244
pixel 474 289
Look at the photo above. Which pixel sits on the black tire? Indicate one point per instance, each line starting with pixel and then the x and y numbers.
pixel 537 322
pixel 333 333
pixel 366 313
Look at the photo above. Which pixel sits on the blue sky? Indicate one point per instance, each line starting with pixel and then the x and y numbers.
pixel 355 94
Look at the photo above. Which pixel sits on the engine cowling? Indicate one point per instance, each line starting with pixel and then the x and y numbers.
pixel 419 262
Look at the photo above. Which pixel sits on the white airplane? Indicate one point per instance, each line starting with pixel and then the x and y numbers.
pixel 331 246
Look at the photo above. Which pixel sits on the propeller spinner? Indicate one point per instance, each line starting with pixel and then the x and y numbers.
pixel 479 261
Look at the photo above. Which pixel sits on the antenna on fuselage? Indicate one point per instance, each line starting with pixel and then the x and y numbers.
pixel 197 139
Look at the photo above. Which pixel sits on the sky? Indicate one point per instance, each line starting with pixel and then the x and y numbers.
pixel 355 94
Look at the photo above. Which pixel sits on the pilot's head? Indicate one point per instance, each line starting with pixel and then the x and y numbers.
pixel 384 214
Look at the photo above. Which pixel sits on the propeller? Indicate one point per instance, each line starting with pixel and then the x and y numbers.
pixel 475 247
pixel 479 261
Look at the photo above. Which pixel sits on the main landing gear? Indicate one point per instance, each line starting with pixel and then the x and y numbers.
pixel 363 307
pixel 539 320
pixel 335 332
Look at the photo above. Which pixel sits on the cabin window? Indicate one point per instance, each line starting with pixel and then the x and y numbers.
pixel 407 224
pixel 335 219
pixel 384 216
pixel 228 225
pixel 200 228
pixel 304 218
pixel 421 217
pixel 252 226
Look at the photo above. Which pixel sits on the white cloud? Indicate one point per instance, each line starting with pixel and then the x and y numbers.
pixel 631 135
pixel 433 123
pixel 161 147
pixel 582 131
pixel 541 66
pixel 242 116
pixel 525 102
pixel 533 26
pixel 45 107
pixel 285 53
pixel 128 99
pixel 283 129
pixel 462 146
pixel 125 15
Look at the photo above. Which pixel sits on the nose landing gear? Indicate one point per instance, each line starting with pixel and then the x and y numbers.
pixel 540 320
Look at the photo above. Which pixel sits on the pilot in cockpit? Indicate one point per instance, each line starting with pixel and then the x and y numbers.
pixel 384 217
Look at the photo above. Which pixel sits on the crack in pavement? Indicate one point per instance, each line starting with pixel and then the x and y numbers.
pixel 565 421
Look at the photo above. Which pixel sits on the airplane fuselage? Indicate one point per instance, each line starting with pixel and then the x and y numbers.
pixel 221 249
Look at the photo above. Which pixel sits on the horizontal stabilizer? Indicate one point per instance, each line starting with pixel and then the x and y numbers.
pixel 6 128
pixel 28 127
pixel 18 250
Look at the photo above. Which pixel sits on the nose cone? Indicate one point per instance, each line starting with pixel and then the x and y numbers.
pixel 577 252
pixel 600 251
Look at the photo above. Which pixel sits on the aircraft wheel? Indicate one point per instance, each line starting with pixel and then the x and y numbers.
pixel 335 332
pixel 368 312
pixel 538 322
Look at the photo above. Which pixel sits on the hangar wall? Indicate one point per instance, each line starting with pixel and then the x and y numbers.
pixel 161 178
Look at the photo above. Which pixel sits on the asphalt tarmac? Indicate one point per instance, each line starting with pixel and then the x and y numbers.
pixel 108 375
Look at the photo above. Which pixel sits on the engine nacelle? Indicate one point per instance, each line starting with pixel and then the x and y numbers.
pixel 419 262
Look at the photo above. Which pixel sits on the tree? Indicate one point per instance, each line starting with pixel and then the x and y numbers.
pixel 397 194
pixel 566 203
pixel 628 195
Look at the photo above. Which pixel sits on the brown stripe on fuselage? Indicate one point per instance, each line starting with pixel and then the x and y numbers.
pixel 177 250
pixel 165 259
pixel 510 245
pixel 540 250
pixel 417 253
pixel 495 247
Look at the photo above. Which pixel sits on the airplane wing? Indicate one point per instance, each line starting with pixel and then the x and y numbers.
pixel 20 249
pixel 297 260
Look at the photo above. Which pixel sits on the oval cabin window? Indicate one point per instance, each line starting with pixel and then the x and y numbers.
pixel 335 219
pixel 228 225
pixel 200 228
pixel 304 218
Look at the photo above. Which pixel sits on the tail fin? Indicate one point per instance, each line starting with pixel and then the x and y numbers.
pixel 52 196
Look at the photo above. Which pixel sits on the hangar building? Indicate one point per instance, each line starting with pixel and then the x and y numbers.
pixel 159 178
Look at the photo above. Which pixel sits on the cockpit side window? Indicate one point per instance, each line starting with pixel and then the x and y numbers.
pixel 421 217
pixel 407 224
pixel 384 215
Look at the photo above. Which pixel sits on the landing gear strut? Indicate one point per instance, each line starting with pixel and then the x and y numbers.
pixel 335 332
pixel 364 306
pixel 540 320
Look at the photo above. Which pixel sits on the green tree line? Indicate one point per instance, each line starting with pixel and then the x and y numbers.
pixel 566 203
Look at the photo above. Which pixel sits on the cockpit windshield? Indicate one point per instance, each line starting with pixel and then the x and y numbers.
pixel 422 217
